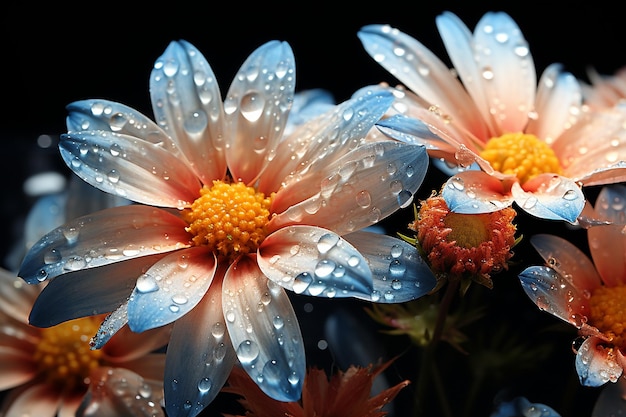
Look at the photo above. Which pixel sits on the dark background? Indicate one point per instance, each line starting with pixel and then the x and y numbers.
pixel 55 55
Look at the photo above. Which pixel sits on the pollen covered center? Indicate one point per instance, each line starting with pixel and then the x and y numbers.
pixel 467 230
pixel 63 354
pixel 522 155
pixel 230 218
pixel 608 313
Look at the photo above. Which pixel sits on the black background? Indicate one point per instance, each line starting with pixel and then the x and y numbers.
pixel 55 55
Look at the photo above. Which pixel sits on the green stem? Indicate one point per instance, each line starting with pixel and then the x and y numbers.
pixel 427 369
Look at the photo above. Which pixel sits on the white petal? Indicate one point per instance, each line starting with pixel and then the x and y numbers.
pixel 88 292
pixel 264 330
pixel 315 261
pixel 358 190
pixel 187 103
pixel 105 237
pixel 200 355
pixel 323 140
pixel 130 167
pixel 171 288
pixel 422 72
pixel 474 192
pixel 257 105
pixel 506 71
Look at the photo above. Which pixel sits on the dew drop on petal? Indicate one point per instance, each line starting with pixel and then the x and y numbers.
pixel 146 283
pixel 405 198
pixel 363 199
pixel 301 282
pixel 326 242
pixel 52 256
pixel 252 105
pixel 248 352
pixel 204 385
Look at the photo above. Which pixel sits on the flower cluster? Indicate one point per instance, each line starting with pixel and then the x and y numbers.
pixel 169 280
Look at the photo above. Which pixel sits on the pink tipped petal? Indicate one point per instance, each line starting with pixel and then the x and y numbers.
pixel 16 297
pixel 568 260
pixel 550 197
pixel 16 367
pixel 506 71
pixel 264 330
pixel 200 355
pixel 93 115
pixel 88 292
pixel 108 236
pixel 421 71
pixel 315 261
pixel 187 102
pixel 555 294
pixel 257 106
pixel 35 400
pixel 130 167
pixel 610 204
pixel 558 104
pixel 367 185
pixel 122 393
pixel 473 192
pixel 171 288
pixel 595 364
pixel 399 272
pixel 150 366
pixel 593 151
pixel 323 140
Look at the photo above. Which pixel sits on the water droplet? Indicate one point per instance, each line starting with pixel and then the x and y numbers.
pixel 180 299
pixel 396 284
pixel 248 352
pixel 396 251
pixel 42 275
pixel 396 267
pixel 326 242
pixel 570 195
pixel 52 256
pixel 252 105
pixel 301 282
pixel 353 261
pixel 363 199
pixel 457 183
pixel 294 250
pixel 405 198
pixel 71 234
pixel 204 385
pixel 146 283
pixel 75 263
pixel 195 122
pixel 278 322
pixel 324 268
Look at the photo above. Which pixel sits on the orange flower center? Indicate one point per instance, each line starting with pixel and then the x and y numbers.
pixel 608 313
pixel 464 244
pixel 63 354
pixel 230 218
pixel 522 155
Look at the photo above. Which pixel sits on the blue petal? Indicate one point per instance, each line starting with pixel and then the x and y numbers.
pixel 521 407
pixel 407 129
pixel 399 272
pixel 556 198
pixel 200 356
pixel 171 288
pixel 264 330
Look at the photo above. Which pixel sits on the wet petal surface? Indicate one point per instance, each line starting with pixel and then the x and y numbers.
pixel 105 237
pixel 171 288
pixel 595 364
pixel 550 197
pixel 399 272
pixel 315 261
pixel 474 192
pixel 264 330
pixel 200 355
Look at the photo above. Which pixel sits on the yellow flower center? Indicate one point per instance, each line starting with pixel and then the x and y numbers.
pixel 522 155
pixel 467 230
pixel 608 313
pixel 473 245
pixel 229 218
pixel 63 354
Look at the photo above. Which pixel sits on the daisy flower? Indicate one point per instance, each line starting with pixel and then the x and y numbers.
pixel 588 293
pixel 231 212
pixel 52 371
pixel 505 134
